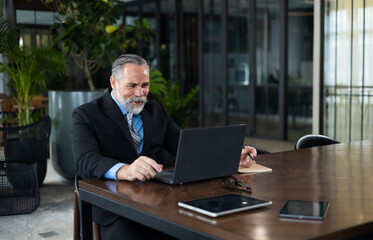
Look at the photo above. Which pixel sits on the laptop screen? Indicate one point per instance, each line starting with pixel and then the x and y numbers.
pixel 206 153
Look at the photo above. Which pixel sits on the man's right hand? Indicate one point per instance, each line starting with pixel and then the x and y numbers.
pixel 142 169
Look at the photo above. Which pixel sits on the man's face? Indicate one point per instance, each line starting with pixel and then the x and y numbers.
pixel 131 91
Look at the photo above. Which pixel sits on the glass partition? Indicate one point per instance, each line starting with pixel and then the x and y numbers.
pixel 268 68
pixel 238 62
pixel 168 39
pixel 228 95
pixel 212 72
pixel 348 73
pixel 149 48
pixel 300 68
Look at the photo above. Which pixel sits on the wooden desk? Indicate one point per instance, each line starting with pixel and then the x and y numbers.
pixel 341 174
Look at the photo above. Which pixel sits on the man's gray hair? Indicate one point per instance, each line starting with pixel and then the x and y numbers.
pixel 117 68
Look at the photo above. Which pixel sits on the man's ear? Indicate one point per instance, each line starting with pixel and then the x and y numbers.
pixel 113 83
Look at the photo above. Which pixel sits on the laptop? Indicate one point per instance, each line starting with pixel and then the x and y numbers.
pixel 206 153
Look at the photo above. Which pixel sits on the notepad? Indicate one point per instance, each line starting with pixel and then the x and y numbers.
pixel 255 168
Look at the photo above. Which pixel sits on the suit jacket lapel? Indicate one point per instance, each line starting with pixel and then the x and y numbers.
pixel 146 123
pixel 112 110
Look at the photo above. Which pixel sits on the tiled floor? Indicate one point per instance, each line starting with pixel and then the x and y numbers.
pixel 53 220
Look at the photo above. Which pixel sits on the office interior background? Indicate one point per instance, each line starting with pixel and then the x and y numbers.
pixel 285 68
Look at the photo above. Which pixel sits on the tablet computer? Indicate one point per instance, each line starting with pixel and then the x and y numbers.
pixel 224 204
pixel 312 210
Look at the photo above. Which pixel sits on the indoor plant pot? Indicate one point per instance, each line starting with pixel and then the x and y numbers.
pixel 61 106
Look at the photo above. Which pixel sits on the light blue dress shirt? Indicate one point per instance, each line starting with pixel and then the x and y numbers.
pixel 138 125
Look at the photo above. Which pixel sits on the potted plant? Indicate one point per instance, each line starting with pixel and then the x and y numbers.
pixel 91 33
pixel 25 72
pixel 168 94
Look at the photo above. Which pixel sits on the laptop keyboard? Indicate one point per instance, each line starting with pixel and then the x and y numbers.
pixel 166 173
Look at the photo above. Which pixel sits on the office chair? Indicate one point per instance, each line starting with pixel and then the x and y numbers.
pixel 314 140
pixel 77 213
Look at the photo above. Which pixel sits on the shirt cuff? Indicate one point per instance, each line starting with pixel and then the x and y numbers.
pixel 112 172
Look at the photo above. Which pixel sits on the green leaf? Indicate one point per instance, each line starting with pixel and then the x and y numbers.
pixel 27 73
pixel 89 26
pixel 179 108
pixel 157 82
pixel 110 28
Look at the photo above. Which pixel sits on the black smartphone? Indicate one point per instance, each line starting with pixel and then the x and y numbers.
pixel 312 210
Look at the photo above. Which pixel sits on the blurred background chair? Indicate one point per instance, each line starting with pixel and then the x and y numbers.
pixel 7 110
pixel 23 166
pixel 314 140
pixel 19 188
pixel 28 144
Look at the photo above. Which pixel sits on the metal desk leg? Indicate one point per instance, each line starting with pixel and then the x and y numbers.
pixel 86 220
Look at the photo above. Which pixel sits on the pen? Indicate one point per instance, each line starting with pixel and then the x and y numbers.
pixel 250 156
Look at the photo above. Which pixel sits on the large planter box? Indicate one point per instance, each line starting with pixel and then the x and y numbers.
pixel 61 106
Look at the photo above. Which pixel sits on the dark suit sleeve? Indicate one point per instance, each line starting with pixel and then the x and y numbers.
pixel 90 163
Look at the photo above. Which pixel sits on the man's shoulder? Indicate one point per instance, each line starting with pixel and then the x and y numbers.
pixel 153 105
pixel 95 104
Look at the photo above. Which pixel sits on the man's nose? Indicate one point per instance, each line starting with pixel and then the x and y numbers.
pixel 139 91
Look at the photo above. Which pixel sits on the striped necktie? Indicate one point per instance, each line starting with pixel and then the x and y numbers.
pixel 135 135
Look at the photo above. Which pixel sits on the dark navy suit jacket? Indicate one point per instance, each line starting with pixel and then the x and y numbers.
pixel 101 139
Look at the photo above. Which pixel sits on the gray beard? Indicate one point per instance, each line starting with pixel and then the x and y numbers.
pixel 127 104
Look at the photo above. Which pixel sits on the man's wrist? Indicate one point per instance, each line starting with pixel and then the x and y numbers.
pixel 118 173
pixel 112 172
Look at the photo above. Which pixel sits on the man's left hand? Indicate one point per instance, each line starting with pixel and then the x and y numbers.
pixel 245 160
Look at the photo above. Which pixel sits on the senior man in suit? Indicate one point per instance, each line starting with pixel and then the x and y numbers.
pixel 124 136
